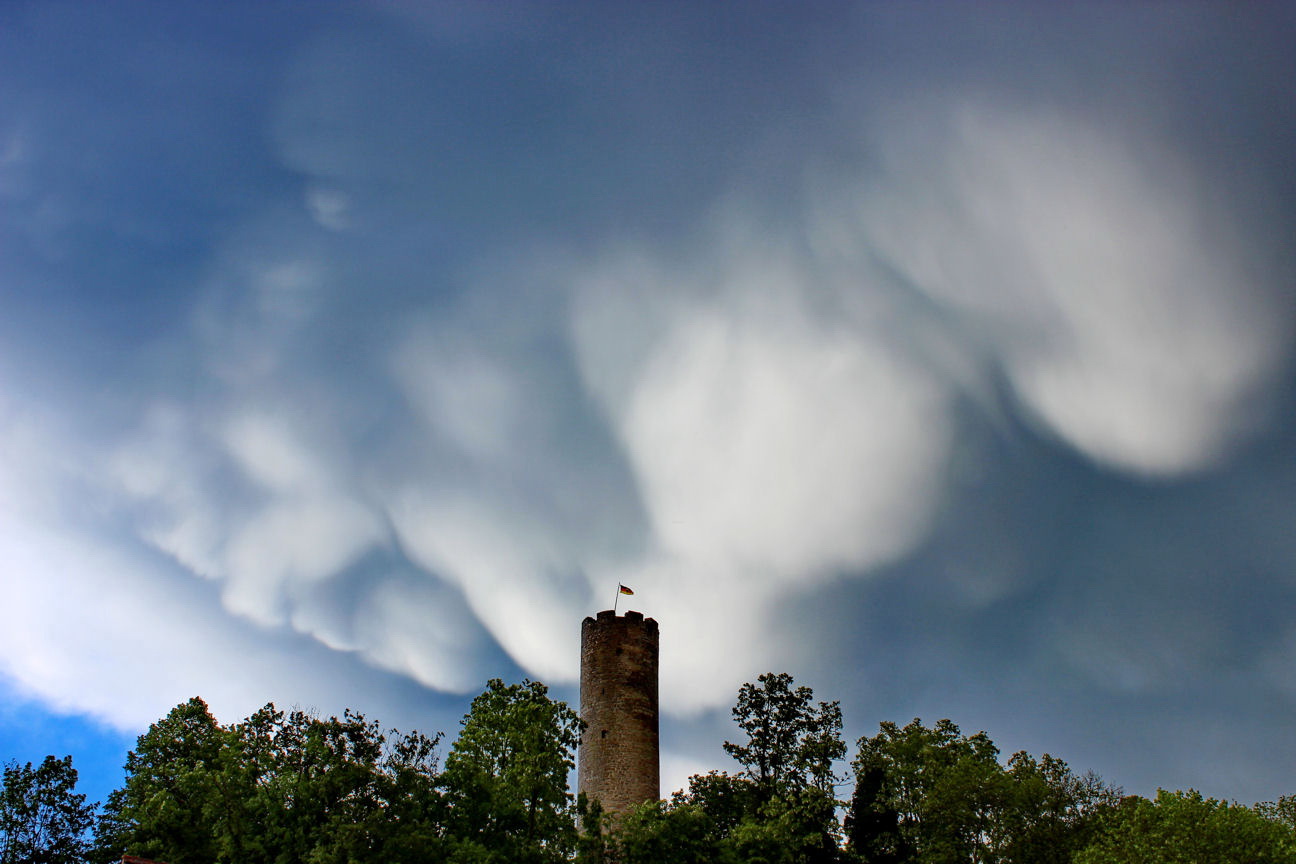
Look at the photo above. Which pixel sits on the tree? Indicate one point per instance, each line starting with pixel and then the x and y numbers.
pixel 936 795
pixel 1283 810
pixel 1185 828
pixel 323 788
pixel 278 787
pixel 727 801
pixel 505 777
pixel 41 817
pixel 872 824
pixel 413 813
pixel 791 742
pixel 337 790
pixel 166 809
pixel 1049 812
pixel 781 808
pixel 679 832
pixel 924 794
pixel 697 826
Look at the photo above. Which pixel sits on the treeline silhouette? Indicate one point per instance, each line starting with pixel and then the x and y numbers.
pixel 290 787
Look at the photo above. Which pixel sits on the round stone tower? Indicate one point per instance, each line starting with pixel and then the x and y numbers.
pixel 618 762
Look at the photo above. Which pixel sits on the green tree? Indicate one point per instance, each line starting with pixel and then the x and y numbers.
pixel 412 817
pixel 42 818
pixel 1185 828
pixel 930 794
pixel 679 832
pixel 1049 812
pixel 727 801
pixel 323 788
pixel 249 766
pixel 872 825
pixel 781 808
pixel 937 796
pixel 798 826
pixel 593 845
pixel 1283 810
pixel 277 788
pixel 791 741
pixel 791 748
pixel 165 810
pixel 331 790
pixel 505 777
pixel 696 826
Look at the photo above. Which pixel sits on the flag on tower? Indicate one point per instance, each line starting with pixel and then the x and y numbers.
pixel 624 589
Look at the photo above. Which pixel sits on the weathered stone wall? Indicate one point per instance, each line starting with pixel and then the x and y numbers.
pixel 618 762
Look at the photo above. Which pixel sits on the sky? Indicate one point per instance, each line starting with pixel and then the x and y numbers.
pixel 940 355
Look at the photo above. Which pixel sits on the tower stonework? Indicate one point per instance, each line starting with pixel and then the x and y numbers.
pixel 618 761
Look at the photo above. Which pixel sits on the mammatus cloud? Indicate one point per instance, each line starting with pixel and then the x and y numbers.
pixel 1096 270
pixel 783 411
pixel 774 413
pixel 774 445
pixel 395 423
pixel 104 628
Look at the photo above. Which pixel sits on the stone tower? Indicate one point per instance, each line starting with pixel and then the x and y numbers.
pixel 618 762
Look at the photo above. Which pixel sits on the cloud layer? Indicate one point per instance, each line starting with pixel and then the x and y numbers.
pixel 462 343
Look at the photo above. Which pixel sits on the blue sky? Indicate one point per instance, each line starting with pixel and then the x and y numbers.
pixel 352 353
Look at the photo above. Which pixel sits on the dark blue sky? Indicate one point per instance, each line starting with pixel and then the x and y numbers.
pixel 941 355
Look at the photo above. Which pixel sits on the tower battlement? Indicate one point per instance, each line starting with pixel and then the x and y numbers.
pixel 618 763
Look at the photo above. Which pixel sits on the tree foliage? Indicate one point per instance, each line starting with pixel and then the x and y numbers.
pixel 277 788
pixel 506 776
pixel 779 808
pixel 170 799
pixel 1283 810
pixel 791 742
pixel 1186 828
pixel 42 818
pixel 676 832
pixel 935 795
pixel 287 787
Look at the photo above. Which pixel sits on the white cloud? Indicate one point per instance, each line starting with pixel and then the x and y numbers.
pixel 329 207
pixel 285 548
pixel 739 424
pixel 1093 267
pixel 167 466
pixel 97 625
pixel 774 446
pixel 676 769
pixel 464 394
pixel 781 446
pixel 272 454
pixel 423 629
pixel 519 582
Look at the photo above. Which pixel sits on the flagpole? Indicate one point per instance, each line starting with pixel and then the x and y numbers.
pixel 616 601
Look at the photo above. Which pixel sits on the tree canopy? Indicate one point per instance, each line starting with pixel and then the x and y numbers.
pixel 42 818
pixel 1186 828
pixel 282 787
pixel 781 807
pixel 935 795
pixel 506 776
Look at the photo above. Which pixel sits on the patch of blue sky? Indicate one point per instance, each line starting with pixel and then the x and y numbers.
pixel 30 731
